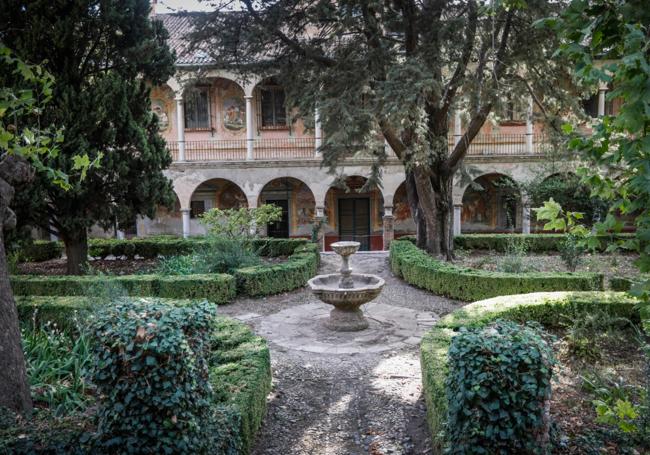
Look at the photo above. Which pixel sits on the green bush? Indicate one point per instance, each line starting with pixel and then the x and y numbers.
pixel 41 250
pixel 152 372
pixel 273 279
pixel 418 268
pixel 239 367
pixel 551 309
pixel 498 390
pixel 536 243
pixel 217 288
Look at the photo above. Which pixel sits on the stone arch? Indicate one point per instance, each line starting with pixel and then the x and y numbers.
pixel 298 203
pixel 354 215
pixel 403 219
pixel 492 203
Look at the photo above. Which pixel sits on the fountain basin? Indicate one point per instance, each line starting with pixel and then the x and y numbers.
pixel 346 316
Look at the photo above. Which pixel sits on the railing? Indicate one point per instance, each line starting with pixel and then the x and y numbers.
pixel 291 148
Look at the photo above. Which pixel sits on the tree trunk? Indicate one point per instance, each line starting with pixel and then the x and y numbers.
pixel 412 197
pixel 76 250
pixel 14 387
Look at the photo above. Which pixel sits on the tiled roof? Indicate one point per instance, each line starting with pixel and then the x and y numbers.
pixel 179 26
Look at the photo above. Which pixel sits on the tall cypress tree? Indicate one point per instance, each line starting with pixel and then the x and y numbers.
pixel 104 56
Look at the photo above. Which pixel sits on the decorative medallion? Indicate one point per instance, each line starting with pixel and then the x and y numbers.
pixel 234 113
pixel 158 107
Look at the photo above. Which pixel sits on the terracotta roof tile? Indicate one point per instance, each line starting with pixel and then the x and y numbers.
pixel 179 26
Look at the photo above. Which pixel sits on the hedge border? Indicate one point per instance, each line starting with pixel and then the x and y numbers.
pixel 151 247
pixel 419 269
pixel 219 288
pixel 547 308
pixel 240 370
pixel 536 243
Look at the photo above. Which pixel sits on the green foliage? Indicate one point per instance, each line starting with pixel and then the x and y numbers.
pixel 418 268
pixel 103 108
pixel 536 243
pixel 58 362
pixel 241 223
pixel 217 288
pixel 217 255
pixel 498 387
pixel 515 254
pixel 550 309
pixel 617 404
pixel 273 279
pixel 608 45
pixel 571 252
pixel 152 370
pixel 585 331
pixel 41 250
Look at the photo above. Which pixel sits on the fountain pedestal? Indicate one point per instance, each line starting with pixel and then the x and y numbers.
pixel 346 291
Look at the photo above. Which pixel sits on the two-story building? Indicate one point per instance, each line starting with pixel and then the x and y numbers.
pixel 233 146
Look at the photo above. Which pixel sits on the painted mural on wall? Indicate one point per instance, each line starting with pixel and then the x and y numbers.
pixel 493 206
pixel 234 113
pixel 231 197
pixel 159 108
pixel 305 205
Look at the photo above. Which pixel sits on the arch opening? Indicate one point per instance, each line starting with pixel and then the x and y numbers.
pixel 298 207
pixel 492 203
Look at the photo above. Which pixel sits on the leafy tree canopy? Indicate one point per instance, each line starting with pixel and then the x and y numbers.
pixel 103 55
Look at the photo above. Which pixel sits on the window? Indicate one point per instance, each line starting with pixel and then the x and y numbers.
pixel 590 105
pixel 197 109
pixel 197 208
pixel 273 113
pixel 513 112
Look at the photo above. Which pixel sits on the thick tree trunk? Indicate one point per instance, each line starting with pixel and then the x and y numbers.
pixel 14 387
pixel 76 250
pixel 412 196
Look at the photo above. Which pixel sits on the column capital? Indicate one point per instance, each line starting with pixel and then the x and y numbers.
pixel 388 211
pixel 178 97
pixel 185 210
pixel 458 205
pixel 248 97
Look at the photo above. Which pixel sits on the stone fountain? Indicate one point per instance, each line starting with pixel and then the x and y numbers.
pixel 346 291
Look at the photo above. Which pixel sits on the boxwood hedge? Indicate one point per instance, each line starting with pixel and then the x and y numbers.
pixel 536 243
pixel 219 288
pixel 239 365
pixel 151 247
pixel 548 308
pixel 273 279
pixel 418 268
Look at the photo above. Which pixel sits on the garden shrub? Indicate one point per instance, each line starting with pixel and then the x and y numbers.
pixel 536 243
pixel 238 361
pixel 218 288
pixel 551 309
pixel 498 389
pixel 41 250
pixel 272 279
pixel 619 283
pixel 152 372
pixel 418 268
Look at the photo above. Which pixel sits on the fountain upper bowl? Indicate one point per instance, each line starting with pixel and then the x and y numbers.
pixel 365 288
pixel 345 248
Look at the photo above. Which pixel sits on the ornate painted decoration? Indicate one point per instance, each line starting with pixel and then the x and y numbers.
pixel 234 113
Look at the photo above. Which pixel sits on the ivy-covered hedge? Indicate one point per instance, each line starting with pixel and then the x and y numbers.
pixel 217 288
pixel 536 243
pixel 548 308
pixel 239 366
pixel 418 268
pixel 273 279
pixel 152 247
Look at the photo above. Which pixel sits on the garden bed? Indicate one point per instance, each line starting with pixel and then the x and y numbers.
pixel 554 311
pixel 416 267
pixel 239 367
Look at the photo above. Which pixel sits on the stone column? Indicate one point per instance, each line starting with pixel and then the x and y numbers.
pixel 180 127
pixel 525 219
pixel 138 227
pixel 318 133
pixel 389 226
pixel 601 102
pixel 458 127
pixel 457 213
pixel 119 234
pixel 529 127
pixel 249 127
pixel 320 218
pixel 186 222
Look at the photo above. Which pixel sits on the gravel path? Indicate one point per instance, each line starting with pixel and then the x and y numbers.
pixel 338 404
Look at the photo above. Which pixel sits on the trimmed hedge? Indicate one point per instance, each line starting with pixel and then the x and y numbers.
pixel 217 288
pixel 239 366
pixel 536 243
pixel 419 269
pixel 548 308
pixel 273 279
pixel 41 250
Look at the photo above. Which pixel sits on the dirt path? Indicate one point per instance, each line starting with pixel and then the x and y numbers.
pixel 365 398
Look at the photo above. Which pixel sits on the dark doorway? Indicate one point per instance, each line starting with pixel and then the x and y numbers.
pixel 279 229
pixel 354 221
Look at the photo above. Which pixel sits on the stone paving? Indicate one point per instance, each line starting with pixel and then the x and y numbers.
pixel 338 393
